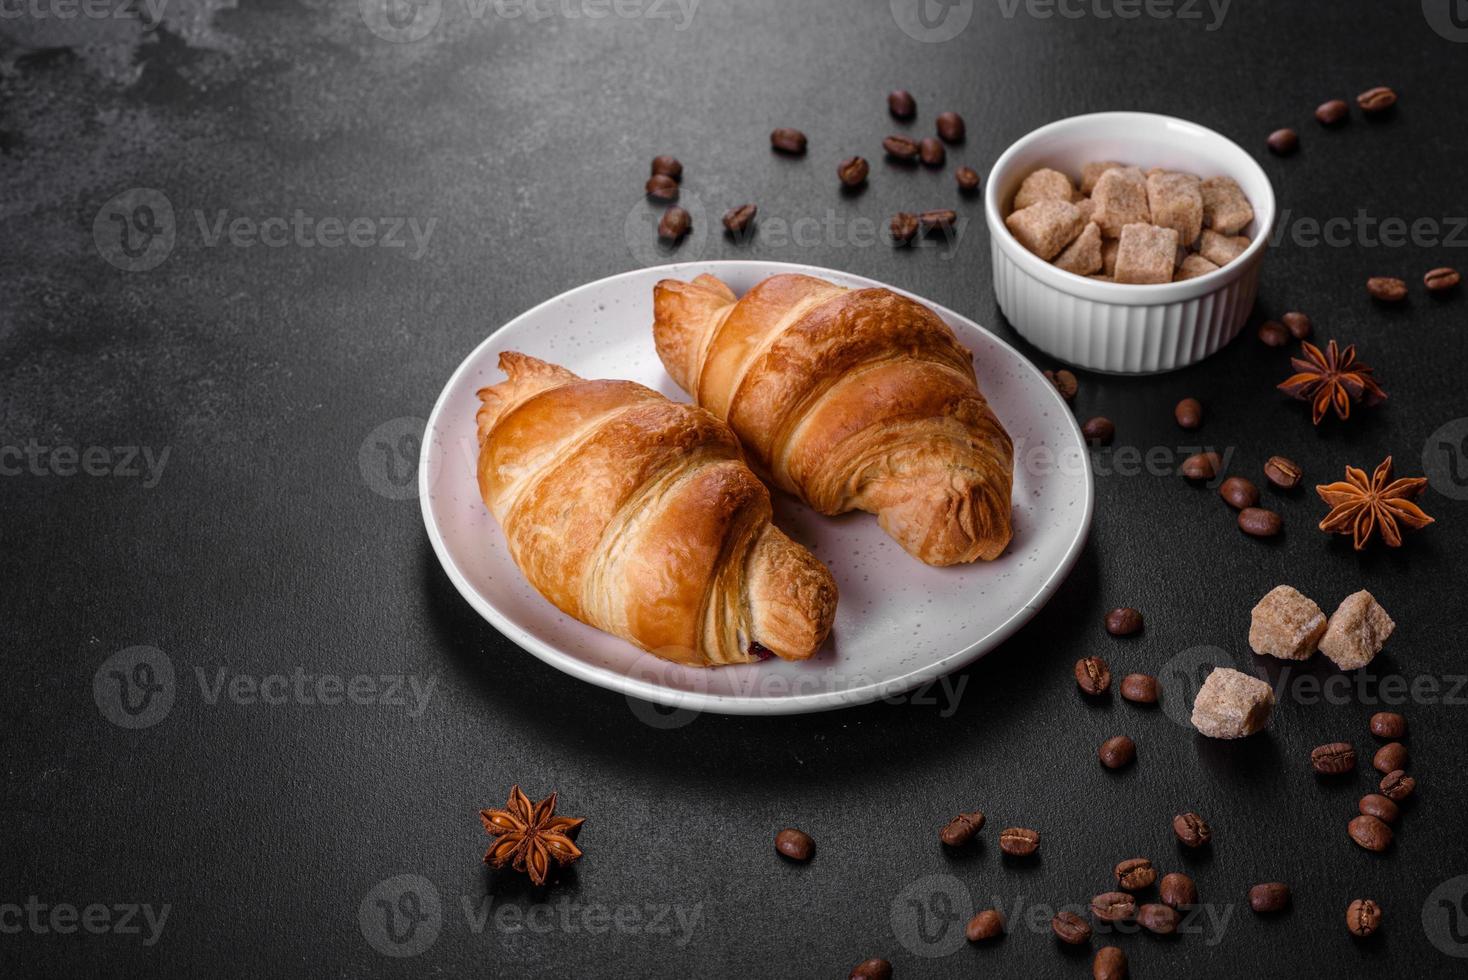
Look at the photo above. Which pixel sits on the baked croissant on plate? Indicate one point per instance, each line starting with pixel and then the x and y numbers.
pixel 851 399
pixel 638 516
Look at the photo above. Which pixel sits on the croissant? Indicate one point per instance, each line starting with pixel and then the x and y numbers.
pixel 850 399
pixel 638 516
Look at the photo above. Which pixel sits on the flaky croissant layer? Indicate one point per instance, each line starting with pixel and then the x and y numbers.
pixel 638 516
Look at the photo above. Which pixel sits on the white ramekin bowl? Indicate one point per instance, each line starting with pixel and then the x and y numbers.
pixel 1118 327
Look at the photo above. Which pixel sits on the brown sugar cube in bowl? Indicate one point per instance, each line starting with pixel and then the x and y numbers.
pixel 1221 249
pixel 1287 625
pixel 1082 256
pixel 1225 208
pixel 1147 254
pixel 1046 228
pixel 1091 172
pixel 1231 704
pixel 1193 266
pixel 1357 632
pixel 1175 201
pixel 1044 185
pixel 1121 199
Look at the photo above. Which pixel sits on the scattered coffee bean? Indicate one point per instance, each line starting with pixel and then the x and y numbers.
pixel 675 224
pixel 1065 382
pixel 1189 413
pixel 901 148
pixel 1363 917
pixel 1109 964
pixel 1375 100
pixel 939 220
pixel 1386 289
pixel 1332 112
pixel 737 221
pixel 1371 833
pixel 931 151
pixel 1390 757
pixel 1259 522
pixel 1284 141
pixel 1019 841
pixel 1139 688
pixel 872 969
pixel 1333 759
pixel 791 141
pixel 968 179
pixel 1272 896
pixel 1158 918
pixel 1299 325
pixel 1123 622
pixel 1202 466
pixel 661 187
pixel 1397 786
pixel 1273 334
pixel 1070 928
pixel 1117 751
pixel 1378 806
pixel 667 167
pixel 1178 890
pixel 1283 472
pixel 951 127
pixel 1388 724
pixel 1099 431
pixel 1093 675
pixel 1191 830
pixel 1239 492
pixel 1442 280
pixel 1134 874
pixel 904 228
pixel 961 829
pixel 901 104
pixel 853 171
pixel 988 924
pixel 795 844
pixel 1113 907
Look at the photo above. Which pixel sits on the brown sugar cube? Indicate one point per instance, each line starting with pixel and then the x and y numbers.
pixel 1194 265
pixel 1121 200
pixel 1221 249
pixel 1231 704
pixel 1357 631
pixel 1044 185
pixel 1147 253
pixel 1287 625
pixel 1083 256
pixel 1109 248
pixel 1087 208
pixel 1176 202
pixel 1225 208
pixel 1092 172
pixel 1046 228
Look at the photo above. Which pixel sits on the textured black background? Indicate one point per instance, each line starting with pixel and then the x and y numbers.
pixel 266 545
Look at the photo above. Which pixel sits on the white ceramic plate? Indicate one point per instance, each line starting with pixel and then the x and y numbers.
pixel 899 623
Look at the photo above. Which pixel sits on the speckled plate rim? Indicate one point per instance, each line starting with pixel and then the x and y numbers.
pixel 744 705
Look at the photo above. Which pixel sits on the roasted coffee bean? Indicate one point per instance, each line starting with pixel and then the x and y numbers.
pixel 661 187
pixel 901 148
pixel 1390 757
pixel 1239 493
pixel 1139 688
pixel 1333 759
pixel 1134 874
pixel 1273 334
pixel 1123 622
pixel 1386 289
pixel 1093 675
pixel 931 151
pixel 901 104
pixel 1378 806
pixel 1099 431
pixel 1202 466
pixel 795 844
pixel 951 127
pixel 1332 112
pixel 1370 832
pixel 1442 280
pixel 1117 751
pixel 1272 896
pixel 939 220
pixel 1189 413
pixel 1284 141
pixel 853 171
pixel 904 228
pixel 988 924
pixel 790 141
pixel 667 167
pixel 961 829
pixel 1283 472
pixel 1065 382
pixel 1388 724
pixel 1158 918
pixel 1259 522
pixel 1109 964
pixel 1019 841
pixel 1113 907
pixel 675 224
pixel 968 179
pixel 1363 917
pixel 1377 99
pixel 1299 325
pixel 737 221
pixel 1178 890
pixel 875 968
pixel 1191 830
pixel 1397 786
pixel 1070 928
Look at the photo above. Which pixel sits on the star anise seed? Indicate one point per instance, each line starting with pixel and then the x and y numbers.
pixel 1332 379
pixel 530 837
pixel 1360 506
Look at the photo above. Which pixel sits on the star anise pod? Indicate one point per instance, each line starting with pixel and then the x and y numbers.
pixel 1359 506
pixel 1332 379
pixel 529 837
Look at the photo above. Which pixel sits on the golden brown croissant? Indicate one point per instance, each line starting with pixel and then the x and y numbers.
pixel 638 516
pixel 852 400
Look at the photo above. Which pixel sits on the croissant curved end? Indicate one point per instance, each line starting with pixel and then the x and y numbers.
pixel 950 524
pixel 791 596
